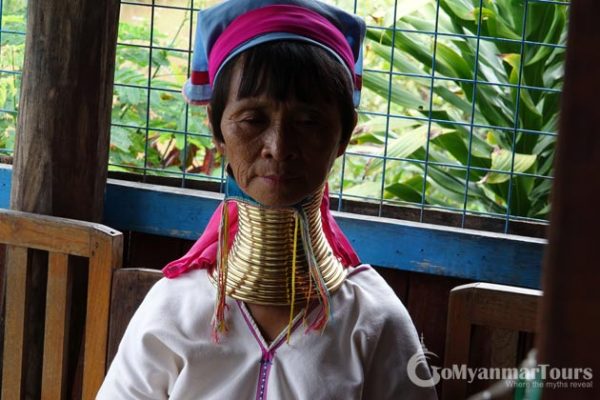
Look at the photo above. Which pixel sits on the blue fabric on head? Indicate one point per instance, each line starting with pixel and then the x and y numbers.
pixel 213 21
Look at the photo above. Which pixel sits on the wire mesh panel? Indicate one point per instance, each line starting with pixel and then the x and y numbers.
pixel 12 48
pixel 459 108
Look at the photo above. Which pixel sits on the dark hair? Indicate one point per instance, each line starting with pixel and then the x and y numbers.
pixel 284 69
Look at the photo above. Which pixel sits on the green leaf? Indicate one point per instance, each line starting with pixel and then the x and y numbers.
pixel 404 8
pixel 404 192
pixel 365 189
pixel 502 161
pixel 401 147
pixel 454 143
pixel 119 138
pixel 497 27
pixel 453 99
pixel 401 63
pixel 399 96
pixel 450 63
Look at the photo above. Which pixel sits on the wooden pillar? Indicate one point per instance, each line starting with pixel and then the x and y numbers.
pixel 61 150
pixel 570 321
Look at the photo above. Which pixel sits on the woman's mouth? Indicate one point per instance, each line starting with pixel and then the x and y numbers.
pixel 279 179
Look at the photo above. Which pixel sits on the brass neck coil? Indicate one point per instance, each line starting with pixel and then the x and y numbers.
pixel 259 264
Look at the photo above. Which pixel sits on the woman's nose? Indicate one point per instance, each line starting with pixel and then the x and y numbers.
pixel 280 143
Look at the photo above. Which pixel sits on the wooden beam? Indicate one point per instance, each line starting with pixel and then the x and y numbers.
pixel 570 322
pixel 24 229
pixel 385 242
pixel 402 245
pixel 61 149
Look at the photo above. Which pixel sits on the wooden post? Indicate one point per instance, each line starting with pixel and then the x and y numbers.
pixel 570 321
pixel 61 150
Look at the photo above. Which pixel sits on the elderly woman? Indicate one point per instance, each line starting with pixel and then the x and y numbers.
pixel 272 302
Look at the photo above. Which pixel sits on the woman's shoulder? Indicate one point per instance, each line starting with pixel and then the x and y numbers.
pixel 366 282
pixel 193 283
pixel 371 297
pixel 172 298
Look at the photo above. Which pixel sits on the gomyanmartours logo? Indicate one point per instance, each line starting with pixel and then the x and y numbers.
pixel 542 375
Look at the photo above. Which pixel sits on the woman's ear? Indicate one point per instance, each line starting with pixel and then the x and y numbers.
pixel 219 145
pixel 345 140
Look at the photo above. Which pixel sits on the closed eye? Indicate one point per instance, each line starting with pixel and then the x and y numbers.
pixel 309 119
pixel 253 119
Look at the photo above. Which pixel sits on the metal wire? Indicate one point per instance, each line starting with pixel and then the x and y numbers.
pixel 149 92
pixel 467 36
pixel 430 111
pixel 462 80
pixel 471 124
pixel 458 123
pixel 448 165
pixel 189 61
pixel 473 103
pixel 340 193
pixel 516 125
pixel 389 105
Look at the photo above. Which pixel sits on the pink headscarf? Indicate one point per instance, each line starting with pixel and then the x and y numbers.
pixel 203 254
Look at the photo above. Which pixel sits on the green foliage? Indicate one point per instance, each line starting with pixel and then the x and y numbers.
pixel 12 47
pixel 495 164
pixel 444 162
pixel 149 124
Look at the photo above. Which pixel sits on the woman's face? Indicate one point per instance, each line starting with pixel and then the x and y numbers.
pixel 279 152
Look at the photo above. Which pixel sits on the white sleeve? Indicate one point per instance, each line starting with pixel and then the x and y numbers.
pixel 387 375
pixel 145 367
pixel 395 344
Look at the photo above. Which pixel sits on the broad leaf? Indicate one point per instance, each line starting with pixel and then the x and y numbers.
pixel 502 160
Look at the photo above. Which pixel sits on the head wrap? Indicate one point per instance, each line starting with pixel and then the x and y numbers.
pixel 234 26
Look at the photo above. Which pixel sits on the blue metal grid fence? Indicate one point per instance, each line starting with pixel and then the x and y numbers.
pixel 459 108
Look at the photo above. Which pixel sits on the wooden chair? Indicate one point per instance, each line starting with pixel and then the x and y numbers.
pixel 129 288
pixel 487 305
pixel 60 237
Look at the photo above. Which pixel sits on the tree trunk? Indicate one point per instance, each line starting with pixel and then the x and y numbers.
pixel 61 150
pixel 570 321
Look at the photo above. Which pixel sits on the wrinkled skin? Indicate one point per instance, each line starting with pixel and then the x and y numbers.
pixel 279 152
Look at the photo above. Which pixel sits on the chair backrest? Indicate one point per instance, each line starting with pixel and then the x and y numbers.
pixel 485 305
pixel 129 288
pixel 60 237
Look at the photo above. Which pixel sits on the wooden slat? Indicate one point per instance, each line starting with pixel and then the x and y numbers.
pixel 489 305
pixel 56 332
pixel 16 282
pixel 47 233
pixel 458 340
pixel 106 256
pixel 104 246
pixel 498 308
pixel 129 287
pixel 427 294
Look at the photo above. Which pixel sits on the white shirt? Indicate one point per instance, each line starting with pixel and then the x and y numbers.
pixel 167 350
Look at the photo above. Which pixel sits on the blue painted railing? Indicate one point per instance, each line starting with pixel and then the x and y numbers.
pixel 408 246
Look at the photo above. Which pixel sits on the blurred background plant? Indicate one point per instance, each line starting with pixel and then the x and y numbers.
pixel 12 48
pixel 459 110
pixel 473 126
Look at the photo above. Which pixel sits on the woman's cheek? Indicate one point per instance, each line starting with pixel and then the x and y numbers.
pixel 241 173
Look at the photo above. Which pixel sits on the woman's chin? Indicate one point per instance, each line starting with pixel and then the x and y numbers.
pixel 278 200
pixel 279 197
